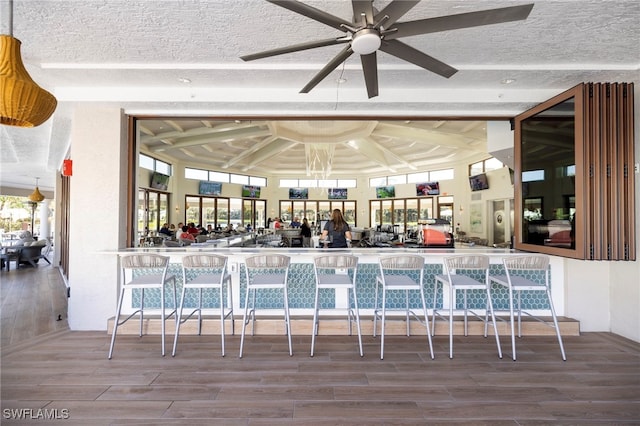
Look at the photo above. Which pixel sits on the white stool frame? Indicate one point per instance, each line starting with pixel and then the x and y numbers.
pixel 211 273
pixel 516 284
pixel 346 280
pixel 395 281
pixel 138 262
pixel 259 275
pixel 464 282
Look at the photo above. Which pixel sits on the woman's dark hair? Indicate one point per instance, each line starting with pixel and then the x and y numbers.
pixel 185 228
pixel 338 220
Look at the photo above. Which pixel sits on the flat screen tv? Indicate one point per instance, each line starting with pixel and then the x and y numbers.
pixel 385 192
pixel 337 193
pixel 478 182
pixel 250 191
pixel 427 188
pixel 159 181
pixel 209 188
pixel 298 193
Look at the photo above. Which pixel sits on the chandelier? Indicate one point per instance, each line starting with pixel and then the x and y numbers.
pixel 319 159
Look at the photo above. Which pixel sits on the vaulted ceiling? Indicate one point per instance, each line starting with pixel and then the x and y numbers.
pixel 178 59
pixel 314 148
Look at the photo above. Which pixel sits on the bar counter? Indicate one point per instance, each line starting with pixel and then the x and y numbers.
pixel 301 282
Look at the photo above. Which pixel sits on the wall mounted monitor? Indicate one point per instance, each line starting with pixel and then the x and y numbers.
pixel 337 193
pixel 209 188
pixel 427 188
pixel 478 182
pixel 250 191
pixel 385 192
pixel 298 193
pixel 159 181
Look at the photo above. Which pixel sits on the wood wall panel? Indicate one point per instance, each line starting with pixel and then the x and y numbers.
pixel 610 186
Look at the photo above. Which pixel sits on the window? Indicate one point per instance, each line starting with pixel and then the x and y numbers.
pixel 418 177
pixel 218 177
pixel 379 181
pixel 434 175
pixel 485 166
pixel 154 164
pixel 145 162
pixel 396 180
pixel 318 183
pixel 210 175
pixel 573 193
pixel 240 179
pixel 196 174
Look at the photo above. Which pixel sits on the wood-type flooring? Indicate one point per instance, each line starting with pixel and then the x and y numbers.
pixel 51 375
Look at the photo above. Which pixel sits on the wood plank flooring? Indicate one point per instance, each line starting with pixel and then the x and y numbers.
pixel 64 374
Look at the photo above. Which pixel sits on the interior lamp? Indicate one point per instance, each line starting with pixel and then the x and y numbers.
pixel 22 102
pixel 36 196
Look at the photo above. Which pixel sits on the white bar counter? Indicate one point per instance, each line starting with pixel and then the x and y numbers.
pixel 301 279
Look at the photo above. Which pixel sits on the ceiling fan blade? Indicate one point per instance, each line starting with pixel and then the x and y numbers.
pixel 409 54
pixel 463 20
pixel 333 64
pixel 395 10
pixel 313 13
pixel 370 69
pixel 362 8
pixel 294 48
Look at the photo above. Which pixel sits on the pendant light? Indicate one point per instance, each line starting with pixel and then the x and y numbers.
pixel 36 196
pixel 22 102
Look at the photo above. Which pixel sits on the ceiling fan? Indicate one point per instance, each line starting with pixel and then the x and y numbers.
pixel 373 30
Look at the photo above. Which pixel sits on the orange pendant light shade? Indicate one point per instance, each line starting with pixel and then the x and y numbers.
pixel 22 102
pixel 36 196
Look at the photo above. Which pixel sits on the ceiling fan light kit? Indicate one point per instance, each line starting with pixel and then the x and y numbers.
pixel 371 30
pixel 366 41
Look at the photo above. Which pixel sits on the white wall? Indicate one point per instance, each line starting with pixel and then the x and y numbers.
pixel 97 213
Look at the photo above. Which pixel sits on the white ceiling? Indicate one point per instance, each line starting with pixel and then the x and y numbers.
pixel 133 53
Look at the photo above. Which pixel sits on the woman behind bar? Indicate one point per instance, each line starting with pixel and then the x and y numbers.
pixel 305 231
pixel 336 232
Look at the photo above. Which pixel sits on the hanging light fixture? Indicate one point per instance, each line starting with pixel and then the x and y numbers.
pixel 22 102
pixel 36 196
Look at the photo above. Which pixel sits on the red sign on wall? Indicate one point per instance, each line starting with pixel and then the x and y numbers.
pixel 67 168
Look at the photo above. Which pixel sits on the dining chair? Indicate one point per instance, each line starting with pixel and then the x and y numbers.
pixel 336 272
pixel 530 274
pixel 206 272
pixel 265 273
pixel 144 272
pixel 464 274
pixel 400 273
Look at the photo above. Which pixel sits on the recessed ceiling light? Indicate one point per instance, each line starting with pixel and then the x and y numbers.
pixel 508 81
pixel 341 80
pixel 184 80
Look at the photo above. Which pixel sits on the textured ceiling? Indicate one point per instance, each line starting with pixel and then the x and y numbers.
pixel 133 54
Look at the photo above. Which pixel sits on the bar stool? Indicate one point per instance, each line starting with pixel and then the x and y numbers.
pixel 465 273
pixel 336 272
pixel 519 274
pixel 205 271
pixel 265 272
pixel 144 271
pixel 400 273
